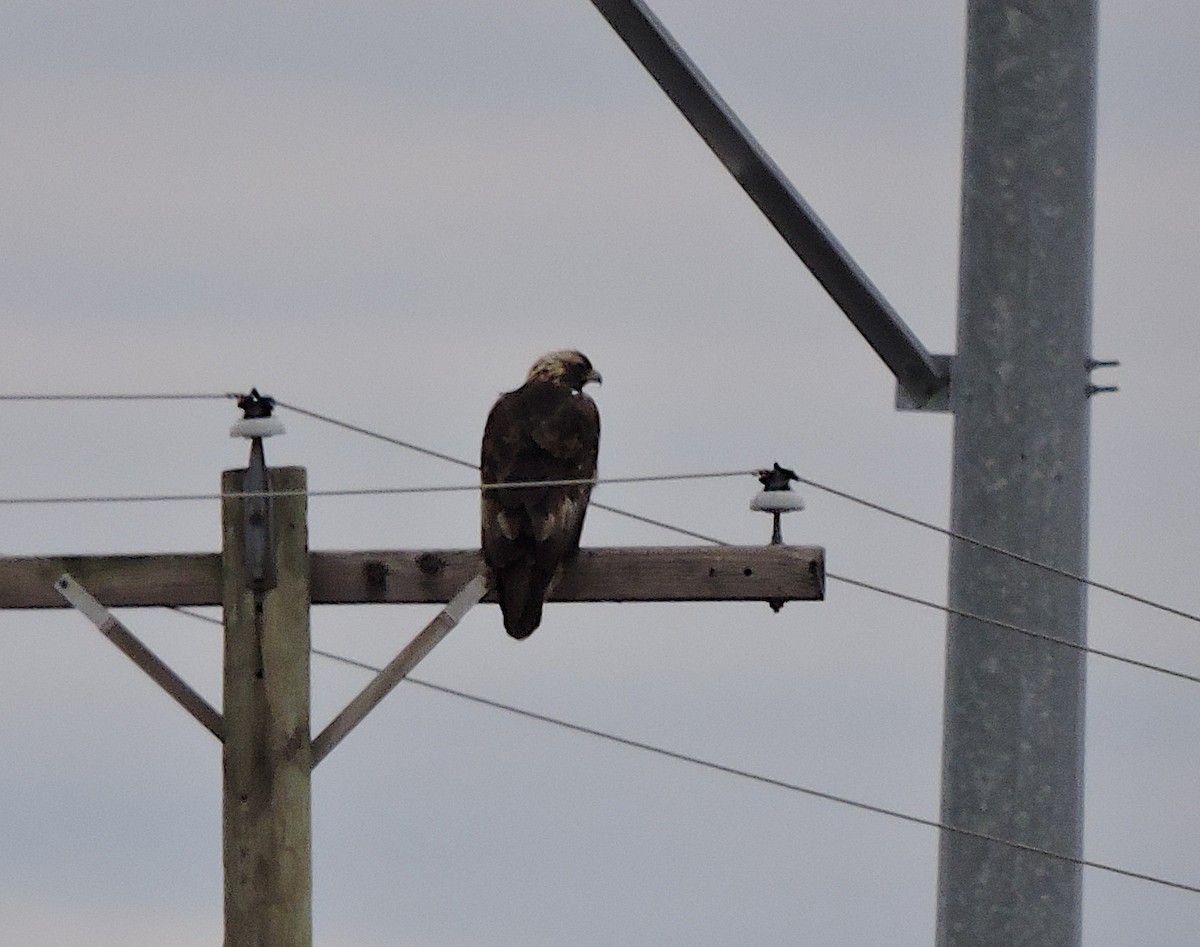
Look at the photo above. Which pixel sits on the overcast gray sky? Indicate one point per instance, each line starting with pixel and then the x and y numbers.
pixel 384 212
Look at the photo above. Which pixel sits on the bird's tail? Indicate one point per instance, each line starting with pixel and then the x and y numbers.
pixel 521 590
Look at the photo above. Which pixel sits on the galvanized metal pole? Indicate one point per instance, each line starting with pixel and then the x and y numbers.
pixel 1013 744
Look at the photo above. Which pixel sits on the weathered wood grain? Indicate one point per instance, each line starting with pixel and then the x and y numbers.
pixel 267 811
pixel 170 579
pixel 607 574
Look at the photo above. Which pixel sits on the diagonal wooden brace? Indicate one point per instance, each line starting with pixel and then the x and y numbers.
pixel 143 657
pixel 398 669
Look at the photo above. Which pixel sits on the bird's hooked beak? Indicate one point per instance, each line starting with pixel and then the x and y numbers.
pixel 593 375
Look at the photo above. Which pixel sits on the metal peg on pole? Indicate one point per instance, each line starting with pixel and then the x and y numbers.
pixel 257 422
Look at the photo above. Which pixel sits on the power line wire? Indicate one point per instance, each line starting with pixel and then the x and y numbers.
pixel 376 435
pixel 783 784
pixel 345 425
pixel 625 513
pixel 937 606
pixel 769 780
pixel 184 610
pixel 807 481
pixel 950 610
pixel 653 522
pixel 122 397
pixel 749 775
pixel 1041 636
pixel 671 754
pixel 1052 639
pixel 368 491
pixel 979 543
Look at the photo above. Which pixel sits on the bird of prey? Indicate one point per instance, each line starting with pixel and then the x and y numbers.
pixel 547 429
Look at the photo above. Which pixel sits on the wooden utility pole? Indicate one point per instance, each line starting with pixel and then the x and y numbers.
pixel 266 592
pixel 268 754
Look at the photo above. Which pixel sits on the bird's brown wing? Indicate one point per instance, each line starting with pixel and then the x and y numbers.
pixel 570 435
pixel 541 431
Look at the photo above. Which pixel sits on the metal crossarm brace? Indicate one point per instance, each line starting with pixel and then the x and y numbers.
pixel 920 375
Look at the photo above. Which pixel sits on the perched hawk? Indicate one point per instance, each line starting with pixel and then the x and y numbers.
pixel 547 429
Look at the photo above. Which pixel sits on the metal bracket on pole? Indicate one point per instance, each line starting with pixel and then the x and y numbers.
pixel 143 657
pixel 260 557
pixel 383 683
pixel 940 400
pixel 256 424
pixel 1092 365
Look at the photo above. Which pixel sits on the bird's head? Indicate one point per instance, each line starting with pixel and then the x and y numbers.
pixel 567 367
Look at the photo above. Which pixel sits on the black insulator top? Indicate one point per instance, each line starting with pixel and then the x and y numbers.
pixel 778 478
pixel 255 405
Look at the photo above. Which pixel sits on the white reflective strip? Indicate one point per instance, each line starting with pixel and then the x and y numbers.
pixel 466 599
pixel 81 599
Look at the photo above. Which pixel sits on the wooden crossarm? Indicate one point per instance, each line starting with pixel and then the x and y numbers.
pixel 605 574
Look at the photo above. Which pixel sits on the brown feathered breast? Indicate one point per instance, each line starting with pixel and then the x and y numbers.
pixel 545 430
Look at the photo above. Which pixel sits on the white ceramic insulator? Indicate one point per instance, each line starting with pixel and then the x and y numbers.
pixel 257 427
pixel 777 501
